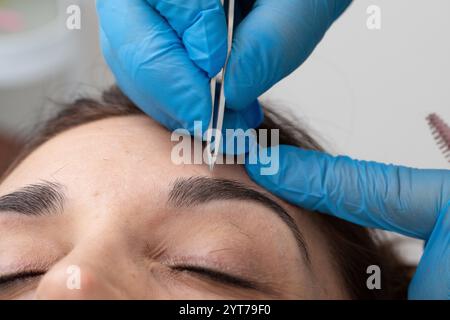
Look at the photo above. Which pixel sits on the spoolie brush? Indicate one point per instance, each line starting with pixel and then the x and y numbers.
pixel 441 132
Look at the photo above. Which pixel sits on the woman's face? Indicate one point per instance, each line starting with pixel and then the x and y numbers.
pixel 100 211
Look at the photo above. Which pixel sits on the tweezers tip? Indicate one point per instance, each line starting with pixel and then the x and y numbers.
pixel 211 166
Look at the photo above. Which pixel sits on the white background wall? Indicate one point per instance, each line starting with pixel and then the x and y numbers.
pixel 366 93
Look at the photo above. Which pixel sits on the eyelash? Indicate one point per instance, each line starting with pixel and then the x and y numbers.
pixel 9 281
pixel 217 276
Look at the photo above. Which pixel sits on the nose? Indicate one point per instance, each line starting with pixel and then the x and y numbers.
pixel 78 281
pixel 96 268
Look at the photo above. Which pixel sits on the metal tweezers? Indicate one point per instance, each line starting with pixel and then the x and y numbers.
pixel 214 134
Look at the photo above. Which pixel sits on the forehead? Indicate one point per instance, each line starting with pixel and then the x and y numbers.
pixel 121 152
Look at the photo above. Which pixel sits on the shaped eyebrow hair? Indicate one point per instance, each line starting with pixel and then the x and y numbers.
pixel 188 192
pixel 35 200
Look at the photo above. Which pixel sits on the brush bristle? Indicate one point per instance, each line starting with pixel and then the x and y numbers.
pixel 441 133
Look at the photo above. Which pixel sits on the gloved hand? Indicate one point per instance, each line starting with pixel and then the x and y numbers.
pixel 409 201
pixel 164 52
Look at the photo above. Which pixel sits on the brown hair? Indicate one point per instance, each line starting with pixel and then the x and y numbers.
pixel 353 247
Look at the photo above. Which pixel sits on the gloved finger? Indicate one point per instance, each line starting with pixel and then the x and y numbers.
pixel 151 64
pixel 272 41
pixel 432 277
pixel 370 194
pixel 242 123
pixel 250 118
pixel 153 108
pixel 201 25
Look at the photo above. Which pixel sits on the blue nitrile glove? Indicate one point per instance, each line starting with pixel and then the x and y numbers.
pixel 164 52
pixel 409 201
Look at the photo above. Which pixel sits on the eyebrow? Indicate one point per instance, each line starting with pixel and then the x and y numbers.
pixel 188 192
pixel 35 200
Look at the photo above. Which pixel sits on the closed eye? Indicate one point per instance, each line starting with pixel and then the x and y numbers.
pixel 218 276
pixel 12 281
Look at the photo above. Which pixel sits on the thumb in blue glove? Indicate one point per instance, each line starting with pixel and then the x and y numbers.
pixel 409 201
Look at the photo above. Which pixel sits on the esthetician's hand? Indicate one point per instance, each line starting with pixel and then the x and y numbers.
pixel 409 201
pixel 164 52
